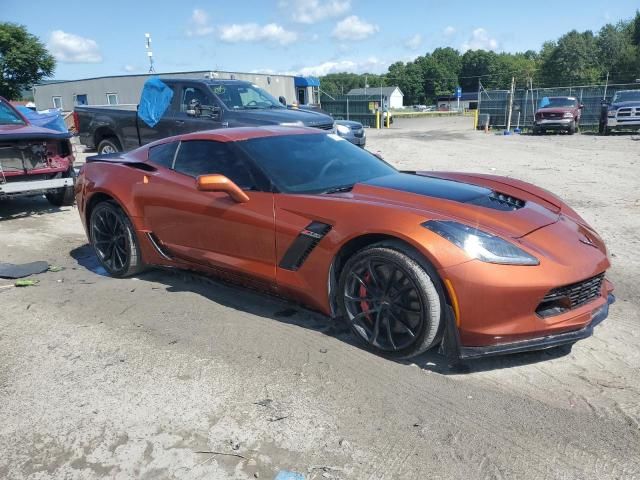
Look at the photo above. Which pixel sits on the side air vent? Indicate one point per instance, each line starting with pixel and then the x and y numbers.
pixel 562 299
pixel 303 245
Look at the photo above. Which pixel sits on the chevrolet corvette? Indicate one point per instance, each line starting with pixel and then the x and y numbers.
pixel 475 264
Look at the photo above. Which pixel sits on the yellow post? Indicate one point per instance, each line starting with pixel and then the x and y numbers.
pixel 378 119
pixel 475 120
pixel 388 118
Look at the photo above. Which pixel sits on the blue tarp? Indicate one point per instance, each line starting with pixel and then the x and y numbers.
pixel 306 81
pixel 51 119
pixel 154 101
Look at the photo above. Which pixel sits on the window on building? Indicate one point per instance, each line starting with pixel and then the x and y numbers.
pixel 162 155
pixel 203 157
pixel 57 102
pixel 80 99
pixel 112 99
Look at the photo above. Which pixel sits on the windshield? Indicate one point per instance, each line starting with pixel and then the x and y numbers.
pixel 241 97
pixel 314 163
pixel 627 96
pixel 8 116
pixel 558 102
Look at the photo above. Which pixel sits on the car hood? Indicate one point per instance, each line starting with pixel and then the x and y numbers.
pixel 556 110
pixel 26 132
pixel 501 205
pixel 282 115
pixel 633 103
pixel 349 123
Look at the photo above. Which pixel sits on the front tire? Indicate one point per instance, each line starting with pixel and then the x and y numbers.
pixel 114 240
pixel 65 196
pixel 392 302
pixel 572 128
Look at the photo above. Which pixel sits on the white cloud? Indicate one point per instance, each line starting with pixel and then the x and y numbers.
pixel 312 11
pixel 480 40
pixel 252 32
pixel 129 68
pixel 199 24
pixel 370 65
pixel 70 48
pixel 353 28
pixel 414 42
pixel 448 31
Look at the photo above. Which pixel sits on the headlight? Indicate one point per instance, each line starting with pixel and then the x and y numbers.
pixel 568 115
pixel 292 124
pixel 481 245
pixel 342 129
pixel 611 113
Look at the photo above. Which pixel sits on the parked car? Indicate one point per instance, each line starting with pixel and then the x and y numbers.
pixel 196 105
pixel 352 131
pixel 623 112
pixel 558 113
pixel 478 264
pixel 34 160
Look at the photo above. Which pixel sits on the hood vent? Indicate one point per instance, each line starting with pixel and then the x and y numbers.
pixel 498 201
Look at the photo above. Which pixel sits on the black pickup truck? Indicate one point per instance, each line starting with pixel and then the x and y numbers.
pixel 196 105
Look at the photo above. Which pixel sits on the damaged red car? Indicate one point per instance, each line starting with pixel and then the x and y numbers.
pixel 34 160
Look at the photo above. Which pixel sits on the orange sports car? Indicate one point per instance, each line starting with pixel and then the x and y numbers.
pixel 477 264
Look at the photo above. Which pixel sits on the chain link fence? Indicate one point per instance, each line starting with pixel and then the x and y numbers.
pixel 493 105
pixel 360 108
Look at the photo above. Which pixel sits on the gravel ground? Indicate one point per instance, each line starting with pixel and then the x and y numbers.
pixel 135 378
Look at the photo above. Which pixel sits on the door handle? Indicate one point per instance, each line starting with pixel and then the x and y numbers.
pixel 179 122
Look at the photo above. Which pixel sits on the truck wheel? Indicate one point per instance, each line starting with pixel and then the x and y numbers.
pixel 114 240
pixel 572 128
pixel 109 145
pixel 65 196
pixel 536 130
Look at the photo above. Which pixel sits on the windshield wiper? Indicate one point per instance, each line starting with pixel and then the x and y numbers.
pixel 338 189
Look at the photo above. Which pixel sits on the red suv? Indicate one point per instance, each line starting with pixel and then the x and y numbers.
pixel 558 113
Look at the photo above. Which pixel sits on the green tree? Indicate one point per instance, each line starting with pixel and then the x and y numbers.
pixel 571 61
pixel 24 60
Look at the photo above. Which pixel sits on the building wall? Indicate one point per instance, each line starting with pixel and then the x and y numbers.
pixel 128 87
pixel 396 100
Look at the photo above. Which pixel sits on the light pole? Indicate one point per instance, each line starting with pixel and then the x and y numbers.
pixel 147 44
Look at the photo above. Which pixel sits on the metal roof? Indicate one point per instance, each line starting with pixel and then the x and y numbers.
pixel 386 91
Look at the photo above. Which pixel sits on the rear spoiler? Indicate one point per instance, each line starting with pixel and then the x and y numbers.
pixel 121 158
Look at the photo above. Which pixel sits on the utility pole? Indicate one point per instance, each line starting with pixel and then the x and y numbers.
pixel 513 87
pixel 606 84
pixel 147 37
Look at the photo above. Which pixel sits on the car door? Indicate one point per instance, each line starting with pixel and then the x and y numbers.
pixel 209 228
pixel 186 123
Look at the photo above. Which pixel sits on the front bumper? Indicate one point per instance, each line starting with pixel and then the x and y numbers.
pixel 32 187
pixel 359 141
pixel 559 123
pixel 540 343
pixel 623 122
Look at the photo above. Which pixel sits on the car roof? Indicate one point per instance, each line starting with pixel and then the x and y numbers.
pixel 239 134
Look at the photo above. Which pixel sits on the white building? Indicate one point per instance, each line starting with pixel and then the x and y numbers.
pixel 392 97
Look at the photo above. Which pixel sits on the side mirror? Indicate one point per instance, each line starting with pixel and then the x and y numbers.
pixel 581 106
pixel 220 183
pixel 282 100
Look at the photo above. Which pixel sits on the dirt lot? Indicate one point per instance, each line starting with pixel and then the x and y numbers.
pixel 136 378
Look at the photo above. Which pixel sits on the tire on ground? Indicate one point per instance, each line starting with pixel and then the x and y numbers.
pixel 111 144
pixel 430 289
pixel 133 264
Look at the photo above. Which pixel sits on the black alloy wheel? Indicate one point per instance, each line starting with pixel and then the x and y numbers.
pixel 390 302
pixel 114 241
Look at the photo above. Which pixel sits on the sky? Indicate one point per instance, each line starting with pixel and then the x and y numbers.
pixel 307 37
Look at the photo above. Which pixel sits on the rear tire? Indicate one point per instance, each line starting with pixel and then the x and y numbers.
pixel 109 145
pixel 114 240
pixel 392 302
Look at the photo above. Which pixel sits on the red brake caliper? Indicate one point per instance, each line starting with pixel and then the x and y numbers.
pixel 363 293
